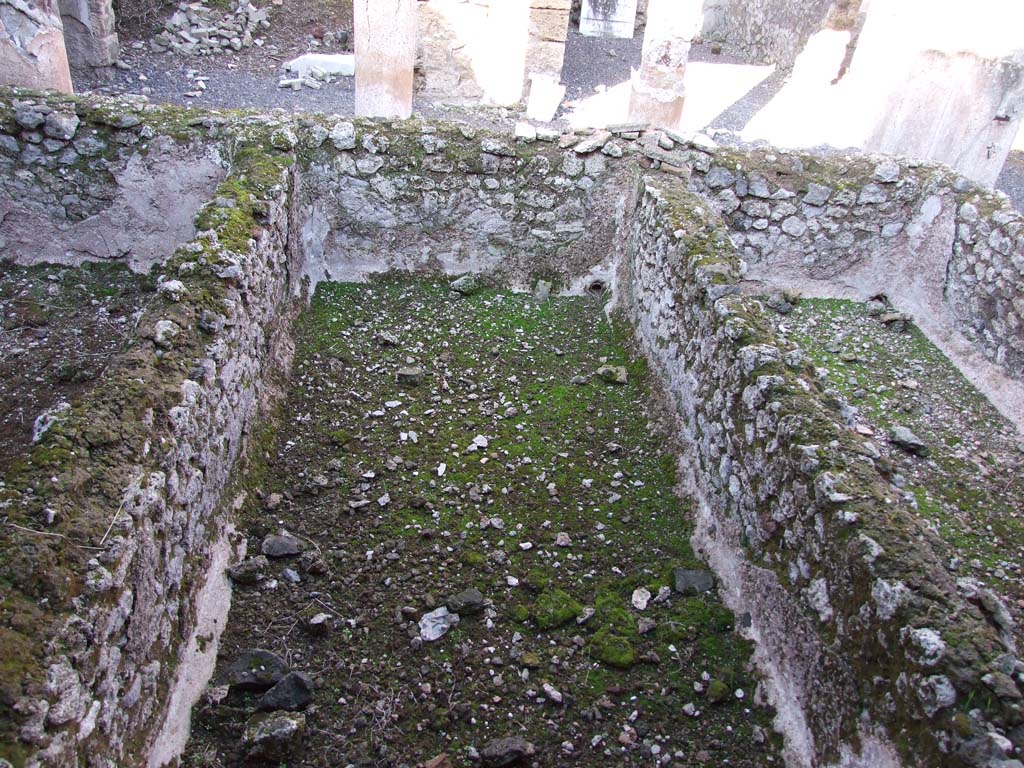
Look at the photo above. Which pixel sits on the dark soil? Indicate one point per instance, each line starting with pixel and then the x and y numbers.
pixel 61 328
pixel 395 509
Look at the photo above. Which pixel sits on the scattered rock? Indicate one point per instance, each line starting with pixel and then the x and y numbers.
pixel 196 29
pixel 592 143
pixel 250 571
pixel 525 132
pixel 466 285
pixel 281 545
pixel 410 375
pixel 269 737
pixel 909 442
pixel 255 670
pixel 435 625
pixel 613 374
pixel 552 693
pixel 292 692
pixel 319 624
pixel 645 625
pixel 502 752
pixel 898 321
pixel 468 601
pixel 641 598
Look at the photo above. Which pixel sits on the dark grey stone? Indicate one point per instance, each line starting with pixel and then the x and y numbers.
pixel 255 670
pixel 281 545
pixel 292 692
pixel 502 752
pixel 908 441
pixel 468 601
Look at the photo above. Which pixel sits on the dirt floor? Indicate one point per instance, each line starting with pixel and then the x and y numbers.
pixel 969 485
pixel 61 328
pixel 499 471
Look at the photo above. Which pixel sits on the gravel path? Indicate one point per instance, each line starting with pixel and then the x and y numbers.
pixel 594 61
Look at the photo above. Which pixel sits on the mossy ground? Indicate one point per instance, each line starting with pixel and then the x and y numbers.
pixel 60 329
pixel 583 460
pixel 969 487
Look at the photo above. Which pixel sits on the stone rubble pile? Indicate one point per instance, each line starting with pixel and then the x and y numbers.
pixel 196 29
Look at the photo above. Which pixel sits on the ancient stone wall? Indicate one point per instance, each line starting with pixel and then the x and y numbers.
pixel 97 186
pixel 867 640
pixel 126 485
pixel 939 247
pixel 415 197
pixel 986 280
pixel 770 31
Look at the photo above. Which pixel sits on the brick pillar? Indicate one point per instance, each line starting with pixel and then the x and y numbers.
pixel 32 51
pixel 657 87
pixel 385 55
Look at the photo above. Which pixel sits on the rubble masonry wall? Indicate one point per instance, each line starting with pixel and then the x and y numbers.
pixel 846 593
pixel 866 639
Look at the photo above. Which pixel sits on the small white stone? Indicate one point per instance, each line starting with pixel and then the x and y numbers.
pixel 641 597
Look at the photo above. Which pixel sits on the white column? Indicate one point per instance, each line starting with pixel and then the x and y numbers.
pixel 657 89
pixel 385 33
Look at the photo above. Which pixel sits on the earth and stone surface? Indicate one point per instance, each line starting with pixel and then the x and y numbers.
pixel 60 328
pixel 473 549
pixel 467 544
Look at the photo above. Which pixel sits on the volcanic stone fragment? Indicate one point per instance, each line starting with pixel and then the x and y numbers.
pixel 273 736
pixel 292 692
pixel 502 752
pixel 256 670
pixel 468 601
pixel 281 545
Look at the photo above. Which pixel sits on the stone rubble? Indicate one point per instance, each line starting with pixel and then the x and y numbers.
pixel 196 29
